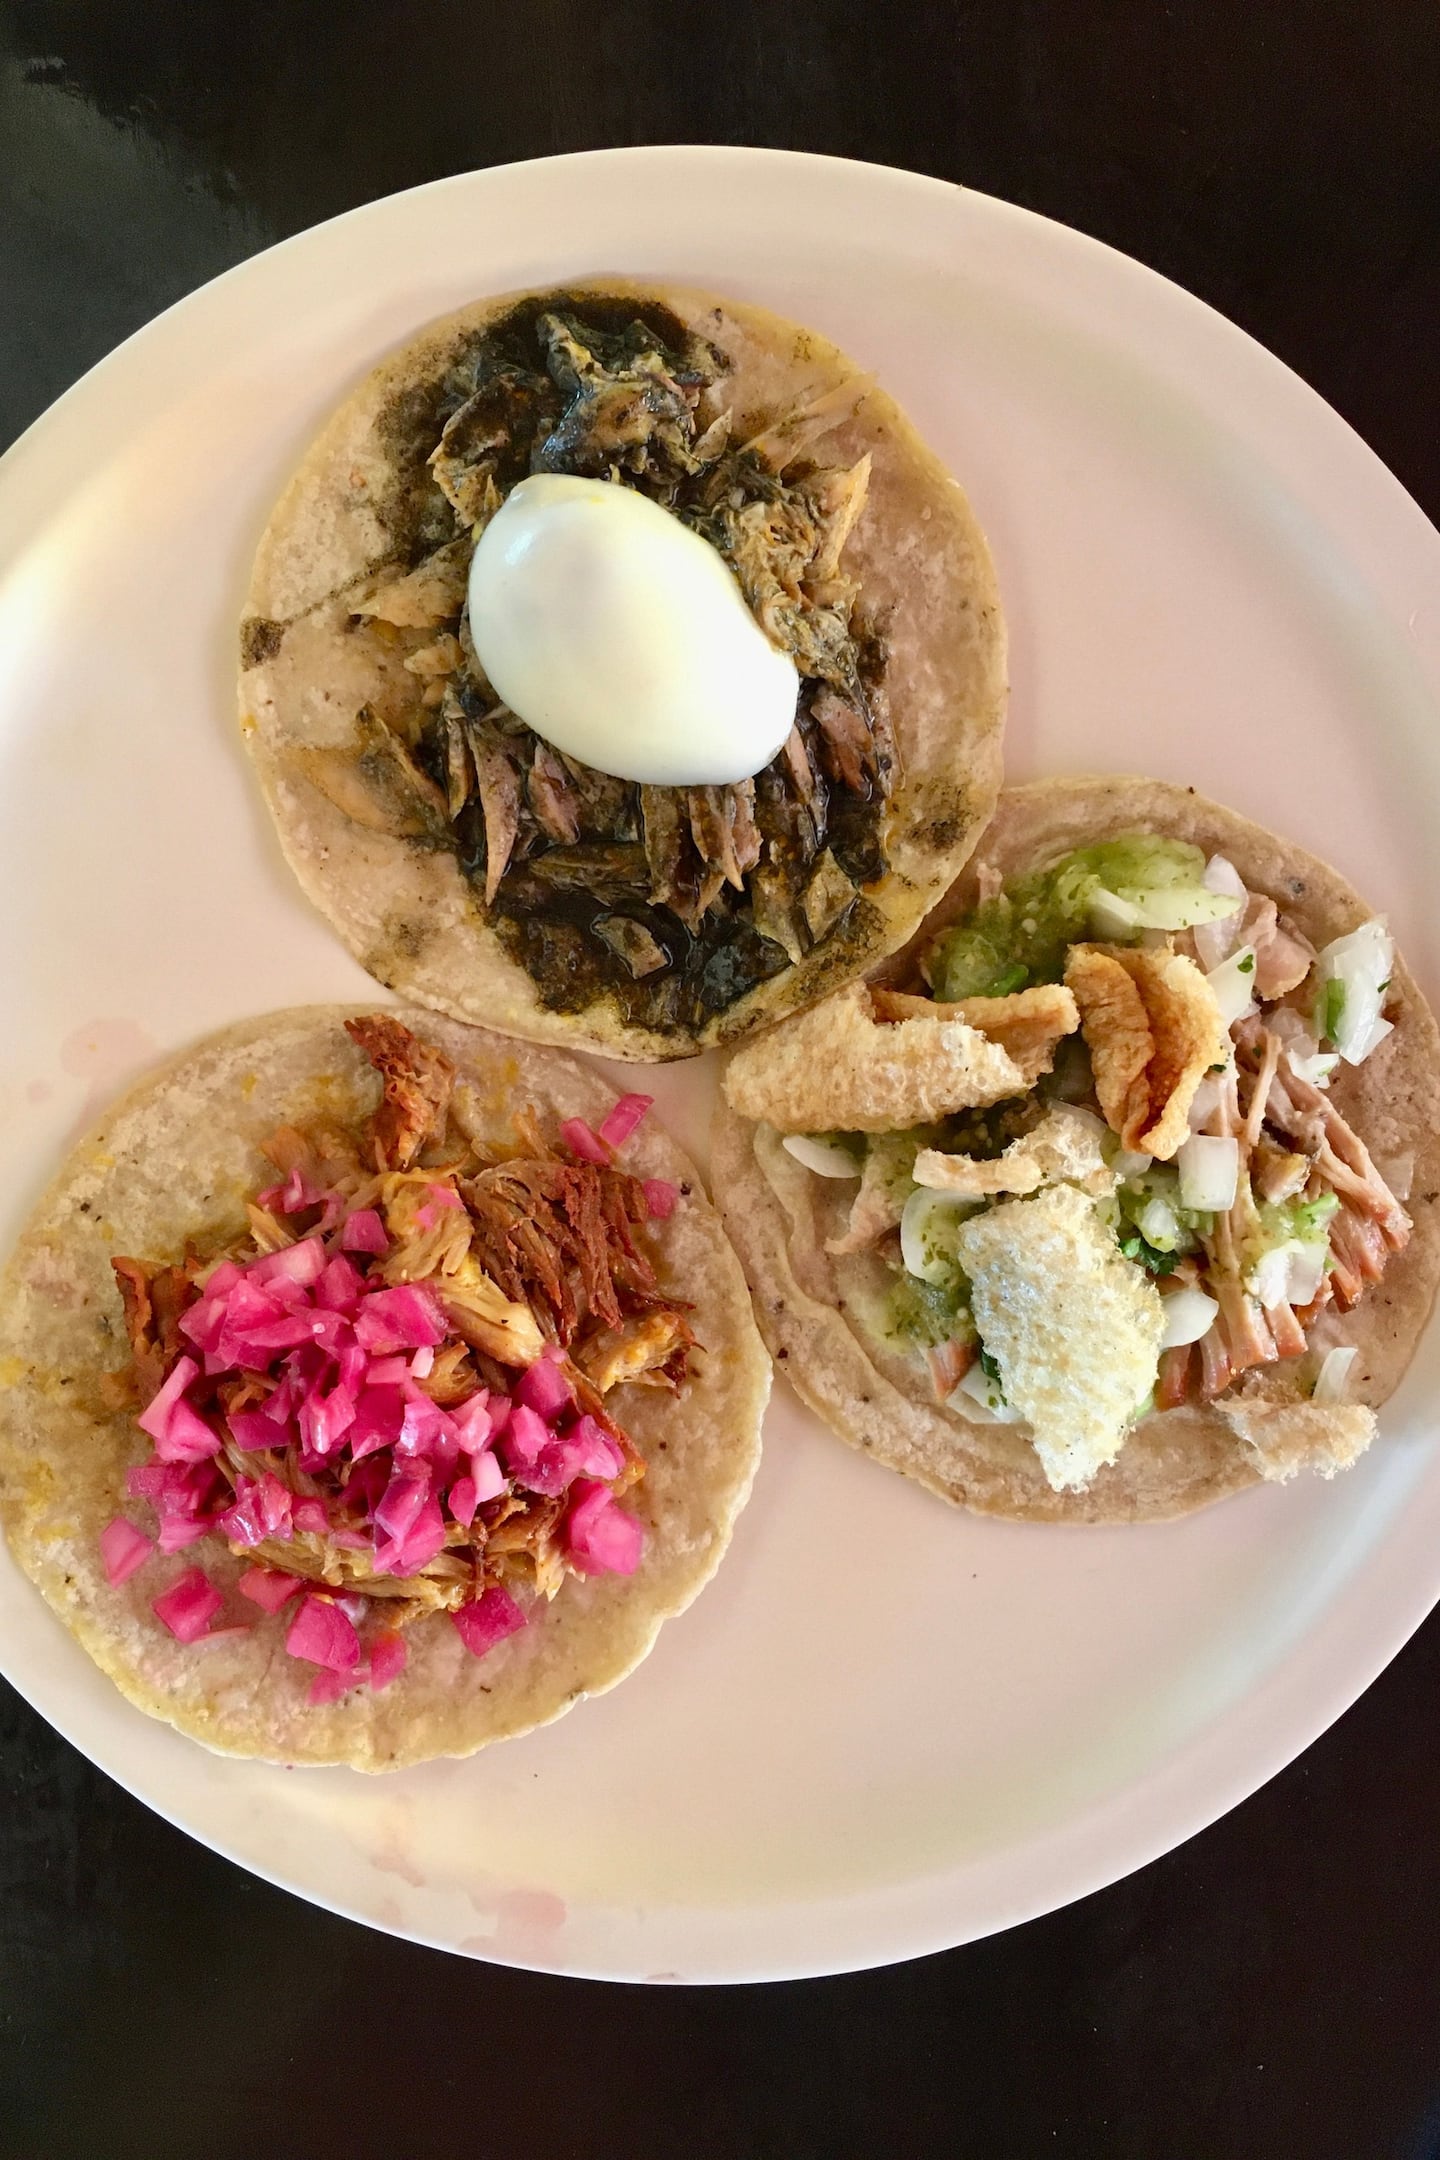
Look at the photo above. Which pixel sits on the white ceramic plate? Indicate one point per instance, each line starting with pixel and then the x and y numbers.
pixel 886 1728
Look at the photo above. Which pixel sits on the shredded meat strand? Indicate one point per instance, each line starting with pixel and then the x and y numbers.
pixel 1172 1382
pixel 153 1298
pixel 416 1080
pixel 560 1237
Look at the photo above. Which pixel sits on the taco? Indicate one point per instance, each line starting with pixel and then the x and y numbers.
pixel 467 862
pixel 1119 1193
pixel 373 1340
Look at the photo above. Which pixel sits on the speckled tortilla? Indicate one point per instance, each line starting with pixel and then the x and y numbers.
pixel 404 908
pixel 178 1158
pixel 810 1304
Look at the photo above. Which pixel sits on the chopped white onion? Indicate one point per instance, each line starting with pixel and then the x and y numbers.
pixel 1398 1172
pixel 1306 1271
pixel 1221 876
pixel 1289 1274
pixel 927 1233
pixel 1158 1224
pixel 1205 1102
pixel 1127 1165
pixel 1267 1279
pixel 1297 1038
pixel 1110 916
pixel 1215 941
pixel 1157 907
pixel 1307 1060
pixel 824 1157
pixel 1370 1040
pixel 981 1392
pixel 1209 1167
pixel 1334 1372
pixel 1233 983
pixel 1361 963
pixel 1189 1314
pixel 1317 1069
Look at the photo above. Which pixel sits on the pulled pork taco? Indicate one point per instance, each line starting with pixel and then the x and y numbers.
pixel 373 1340
pixel 640 909
pixel 1122 1194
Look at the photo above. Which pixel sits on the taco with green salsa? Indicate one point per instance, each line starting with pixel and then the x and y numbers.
pixel 1119 1193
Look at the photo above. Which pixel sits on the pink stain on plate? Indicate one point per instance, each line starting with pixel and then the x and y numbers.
pixel 391 1860
pixel 39 1091
pixel 526 1922
pixel 526 1918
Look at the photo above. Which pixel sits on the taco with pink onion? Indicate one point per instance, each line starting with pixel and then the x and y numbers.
pixel 374 1389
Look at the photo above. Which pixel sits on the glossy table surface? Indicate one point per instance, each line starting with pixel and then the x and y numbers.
pixel 1273 1988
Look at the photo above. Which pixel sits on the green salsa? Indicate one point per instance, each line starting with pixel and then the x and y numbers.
pixel 1021 936
pixel 927 1314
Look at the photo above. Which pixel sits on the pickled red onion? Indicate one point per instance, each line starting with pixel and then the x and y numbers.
pixel 363 1231
pixel 188 1606
pixel 601 1538
pixel 544 1388
pixel 617 1127
pixel 123 1549
pixel 583 1143
pixel 388 1659
pixel 488 1621
pixel 321 1634
pixel 268 1588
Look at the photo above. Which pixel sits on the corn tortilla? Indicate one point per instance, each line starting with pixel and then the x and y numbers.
pixel 178 1158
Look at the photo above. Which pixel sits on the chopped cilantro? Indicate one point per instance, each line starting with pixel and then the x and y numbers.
pixel 1331 1008
pixel 991 1371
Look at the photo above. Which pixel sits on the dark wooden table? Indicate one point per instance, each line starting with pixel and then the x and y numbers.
pixel 1274 1987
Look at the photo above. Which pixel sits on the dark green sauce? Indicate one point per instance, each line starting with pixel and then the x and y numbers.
pixel 508 397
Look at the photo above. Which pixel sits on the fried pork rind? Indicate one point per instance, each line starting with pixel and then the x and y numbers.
pixel 1153 1030
pixel 1073 1326
pixel 1282 1437
pixel 841 1067
pixel 1027 1024
pixel 178 1158
pixel 1063 1149
pixel 1117 1034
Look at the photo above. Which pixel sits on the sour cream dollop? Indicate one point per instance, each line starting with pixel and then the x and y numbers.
pixel 623 638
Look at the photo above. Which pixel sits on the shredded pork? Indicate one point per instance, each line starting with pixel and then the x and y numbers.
pixel 531 1251
pixel 755 874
